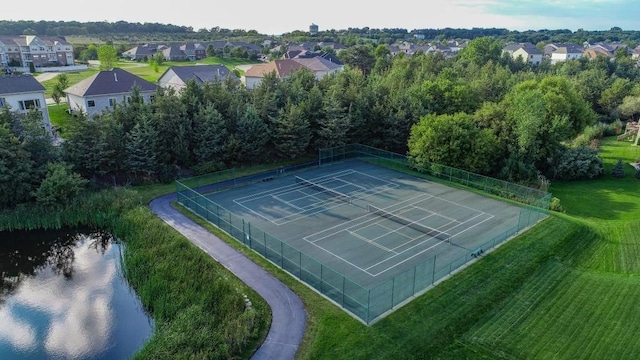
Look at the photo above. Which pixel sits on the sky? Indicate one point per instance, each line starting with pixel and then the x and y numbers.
pixel 280 16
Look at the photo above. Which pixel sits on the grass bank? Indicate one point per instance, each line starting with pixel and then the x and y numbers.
pixel 198 306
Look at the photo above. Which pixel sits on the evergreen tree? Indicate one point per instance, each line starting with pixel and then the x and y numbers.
pixel 250 138
pixel 618 169
pixel 210 140
pixel 291 133
pixel 15 170
pixel 142 147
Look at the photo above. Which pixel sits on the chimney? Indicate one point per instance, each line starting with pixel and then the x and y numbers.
pixel 115 77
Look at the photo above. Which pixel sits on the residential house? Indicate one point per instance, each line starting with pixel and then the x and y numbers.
pixel 177 77
pixel 298 54
pixel 174 53
pixel 283 69
pixel 105 89
pixel 41 51
pixel 527 52
pixel 143 52
pixel 171 52
pixel 23 92
pixel 559 52
pixel 608 47
pixel 193 51
pixel 321 67
pixel 635 55
pixel 594 52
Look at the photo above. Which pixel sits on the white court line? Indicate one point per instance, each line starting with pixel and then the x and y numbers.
pixel 320 206
pixel 435 213
pixel 390 231
pixel 286 202
pixel 367 240
pixel 279 190
pixel 355 221
pixel 421 252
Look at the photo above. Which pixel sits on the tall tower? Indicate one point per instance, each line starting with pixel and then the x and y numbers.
pixel 313 29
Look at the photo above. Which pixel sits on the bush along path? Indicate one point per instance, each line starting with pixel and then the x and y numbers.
pixel 289 317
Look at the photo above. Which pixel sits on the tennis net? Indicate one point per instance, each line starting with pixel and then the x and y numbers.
pixel 409 223
pixel 336 194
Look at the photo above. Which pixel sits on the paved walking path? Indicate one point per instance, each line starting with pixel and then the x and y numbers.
pixel 289 317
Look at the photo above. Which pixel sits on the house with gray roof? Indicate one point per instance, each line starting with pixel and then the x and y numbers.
pixel 105 89
pixel 22 93
pixel 177 77
pixel 526 52
pixel 319 66
pixel 559 52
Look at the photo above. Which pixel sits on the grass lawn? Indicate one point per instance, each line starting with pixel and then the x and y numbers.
pixel 566 289
pixel 59 117
pixel 73 78
pixel 144 70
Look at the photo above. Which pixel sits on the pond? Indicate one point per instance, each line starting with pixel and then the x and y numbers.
pixel 64 295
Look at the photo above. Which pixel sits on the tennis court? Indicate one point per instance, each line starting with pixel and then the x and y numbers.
pixel 367 222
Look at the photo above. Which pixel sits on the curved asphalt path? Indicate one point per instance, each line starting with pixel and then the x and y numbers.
pixel 289 317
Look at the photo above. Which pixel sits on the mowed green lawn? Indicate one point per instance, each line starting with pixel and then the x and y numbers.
pixel 582 302
pixel 566 289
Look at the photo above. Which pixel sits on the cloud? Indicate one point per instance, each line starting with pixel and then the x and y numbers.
pixel 79 311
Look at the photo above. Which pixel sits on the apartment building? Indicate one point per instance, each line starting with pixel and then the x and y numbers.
pixel 41 51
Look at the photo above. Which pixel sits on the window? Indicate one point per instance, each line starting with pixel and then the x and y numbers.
pixel 28 104
pixel 2 102
pixel 112 102
pixel 91 103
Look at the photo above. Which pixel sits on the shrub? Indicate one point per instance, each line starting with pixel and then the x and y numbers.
pixel 638 174
pixel 555 205
pixel 614 128
pixel 618 169
pixel 579 163
pixel 60 186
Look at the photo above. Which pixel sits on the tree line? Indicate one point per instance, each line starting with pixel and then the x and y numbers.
pixel 127 31
pixel 479 111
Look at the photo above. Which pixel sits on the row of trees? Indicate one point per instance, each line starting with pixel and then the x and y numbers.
pixel 479 111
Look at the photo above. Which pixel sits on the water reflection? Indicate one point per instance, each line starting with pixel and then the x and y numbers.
pixel 63 296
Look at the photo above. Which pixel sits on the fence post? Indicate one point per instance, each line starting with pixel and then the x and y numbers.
pixel 244 233
pixel 433 273
pixel 264 243
pixel 393 290
pixel 344 280
pixel 415 269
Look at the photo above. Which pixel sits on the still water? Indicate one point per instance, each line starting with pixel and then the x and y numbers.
pixel 63 296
